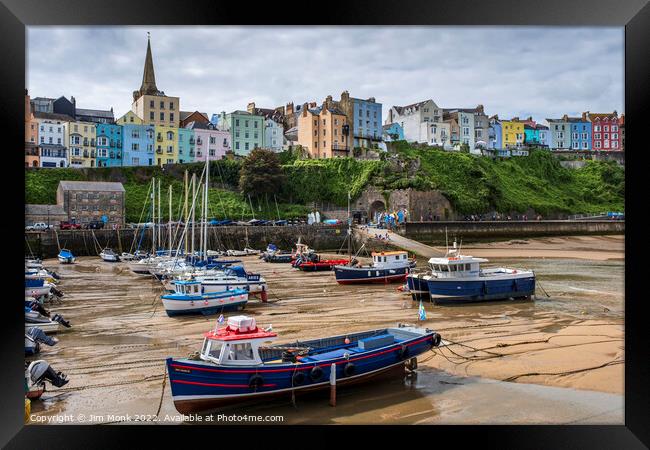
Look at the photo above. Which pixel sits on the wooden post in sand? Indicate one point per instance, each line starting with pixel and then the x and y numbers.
pixel 333 385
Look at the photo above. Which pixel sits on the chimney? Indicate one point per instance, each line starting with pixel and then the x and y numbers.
pixel 565 117
pixel 479 109
pixel 251 108
pixel 615 113
pixel 584 116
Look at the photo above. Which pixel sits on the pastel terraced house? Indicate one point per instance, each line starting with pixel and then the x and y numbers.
pixel 31 135
pixel 246 131
pixel 512 133
pixel 606 133
pixel 109 145
pixel 80 137
pixel 580 133
pixel 559 133
pixel 166 144
pixel 137 140
pixel 324 131
pixel 415 119
pixel 209 141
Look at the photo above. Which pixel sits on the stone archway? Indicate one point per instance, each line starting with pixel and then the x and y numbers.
pixel 377 206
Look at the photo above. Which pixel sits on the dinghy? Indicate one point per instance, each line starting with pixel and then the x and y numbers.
pixel 109 255
pixel 65 256
pixel 235 365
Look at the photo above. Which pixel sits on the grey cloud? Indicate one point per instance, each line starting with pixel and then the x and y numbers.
pixel 538 71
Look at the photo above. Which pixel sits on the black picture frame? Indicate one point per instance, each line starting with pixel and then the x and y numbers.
pixel 634 15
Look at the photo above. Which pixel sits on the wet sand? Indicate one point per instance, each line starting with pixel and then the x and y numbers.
pixel 505 362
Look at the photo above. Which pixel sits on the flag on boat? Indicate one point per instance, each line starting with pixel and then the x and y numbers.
pixel 220 319
pixel 422 314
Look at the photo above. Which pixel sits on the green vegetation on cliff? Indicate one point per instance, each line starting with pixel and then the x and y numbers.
pixel 472 184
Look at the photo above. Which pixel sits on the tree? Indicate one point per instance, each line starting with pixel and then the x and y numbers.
pixel 261 173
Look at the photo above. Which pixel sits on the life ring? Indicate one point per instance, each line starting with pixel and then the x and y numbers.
pixel 316 373
pixel 403 351
pixel 436 339
pixel 256 381
pixel 298 378
pixel 349 369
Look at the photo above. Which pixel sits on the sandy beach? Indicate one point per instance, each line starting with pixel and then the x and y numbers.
pixel 114 354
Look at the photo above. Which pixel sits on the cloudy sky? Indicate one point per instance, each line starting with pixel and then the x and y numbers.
pixel 512 71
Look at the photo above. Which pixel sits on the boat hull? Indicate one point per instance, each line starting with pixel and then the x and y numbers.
pixel 203 386
pixel 418 287
pixel 354 275
pixel 320 266
pixel 207 305
pixel 442 291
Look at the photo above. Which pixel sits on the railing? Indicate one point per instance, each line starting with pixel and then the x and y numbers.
pixel 340 147
pixel 159 138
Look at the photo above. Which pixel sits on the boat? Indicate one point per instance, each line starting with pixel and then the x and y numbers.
pixel 417 285
pixel 229 278
pixel 36 374
pixel 37 287
pixel 65 256
pixel 279 258
pixel 245 252
pixel 32 263
pixel 109 255
pixel 189 298
pixel 314 263
pixel 34 338
pixel 456 278
pixel 37 317
pixel 42 274
pixel 235 366
pixel 386 267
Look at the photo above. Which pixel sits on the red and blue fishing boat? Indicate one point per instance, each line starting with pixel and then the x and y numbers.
pixel 387 267
pixel 236 366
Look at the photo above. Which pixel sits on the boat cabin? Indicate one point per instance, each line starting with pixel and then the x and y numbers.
pixel 461 266
pixel 188 287
pixel 390 259
pixel 236 344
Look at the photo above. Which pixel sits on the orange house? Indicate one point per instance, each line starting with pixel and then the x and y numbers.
pixel 32 158
pixel 324 131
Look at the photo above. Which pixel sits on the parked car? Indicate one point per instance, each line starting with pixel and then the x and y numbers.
pixel 65 225
pixel 94 225
pixel 38 226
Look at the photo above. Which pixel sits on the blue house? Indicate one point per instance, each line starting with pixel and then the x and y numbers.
pixel 366 127
pixel 393 132
pixel 109 145
pixel 495 141
pixel 580 133
pixel 137 141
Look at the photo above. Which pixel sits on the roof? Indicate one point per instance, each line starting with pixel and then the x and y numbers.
pixel 43 209
pixel 200 125
pixel 185 114
pixel 53 116
pixel 398 252
pixel 95 112
pixel 601 116
pixel 91 186
pixel 417 106
pixel 226 334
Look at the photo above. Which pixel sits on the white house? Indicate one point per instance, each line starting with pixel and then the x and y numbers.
pixel 415 120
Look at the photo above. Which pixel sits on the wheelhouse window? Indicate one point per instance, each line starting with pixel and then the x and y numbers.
pixel 240 352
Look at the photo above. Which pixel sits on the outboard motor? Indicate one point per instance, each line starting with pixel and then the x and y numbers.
pixel 40 371
pixel 61 320
pixel 35 306
pixel 54 275
pixel 39 335
pixel 56 292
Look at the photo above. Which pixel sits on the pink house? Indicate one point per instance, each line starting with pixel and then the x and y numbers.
pixel 209 141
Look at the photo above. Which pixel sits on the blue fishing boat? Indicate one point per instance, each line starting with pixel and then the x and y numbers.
pixel 387 267
pixel 235 366
pixel 190 297
pixel 457 277
pixel 65 256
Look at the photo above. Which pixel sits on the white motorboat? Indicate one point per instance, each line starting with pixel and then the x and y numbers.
pixel 109 255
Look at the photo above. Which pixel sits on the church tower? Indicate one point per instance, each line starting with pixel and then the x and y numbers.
pixel 150 104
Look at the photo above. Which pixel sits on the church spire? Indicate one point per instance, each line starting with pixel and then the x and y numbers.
pixel 148 77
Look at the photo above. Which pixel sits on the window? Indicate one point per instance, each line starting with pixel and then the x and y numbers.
pixel 170 135
pixel 254 124
pixel 246 123
pixel 134 146
pixel 135 161
pixel 162 116
pixel 171 106
pixel 162 105
pixel 237 145
pixel 597 136
pixel 240 352
pixel 171 117
pixel 236 122
pixel 246 146
pixel 131 119
pixel 151 115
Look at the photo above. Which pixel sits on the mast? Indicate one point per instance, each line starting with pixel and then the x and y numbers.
pixel 169 220
pixel 349 230
pixel 185 208
pixel 153 216
pixel 193 209
pixel 202 192
pixel 206 191
pixel 159 214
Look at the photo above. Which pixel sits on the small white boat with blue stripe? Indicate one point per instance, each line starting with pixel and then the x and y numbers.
pixel 190 297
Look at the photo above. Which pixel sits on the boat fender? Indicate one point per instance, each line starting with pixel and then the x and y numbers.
pixel 298 378
pixel 436 339
pixel 412 364
pixel 403 351
pixel 256 381
pixel 316 373
pixel 349 369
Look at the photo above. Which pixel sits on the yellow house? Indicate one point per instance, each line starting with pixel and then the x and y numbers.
pixel 130 118
pixel 80 138
pixel 166 145
pixel 512 133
